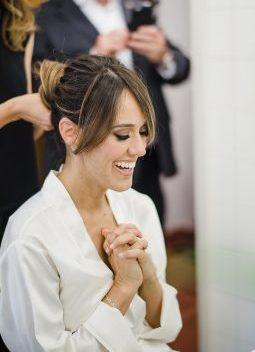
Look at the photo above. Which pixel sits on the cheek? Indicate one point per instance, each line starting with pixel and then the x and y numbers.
pixel 112 150
pixel 100 160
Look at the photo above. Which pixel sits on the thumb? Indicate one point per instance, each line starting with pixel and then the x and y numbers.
pixel 105 231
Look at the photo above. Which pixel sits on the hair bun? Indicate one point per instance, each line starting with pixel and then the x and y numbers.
pixel 50 73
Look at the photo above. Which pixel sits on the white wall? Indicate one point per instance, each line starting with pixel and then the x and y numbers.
pixel 223 53
pixel 174 19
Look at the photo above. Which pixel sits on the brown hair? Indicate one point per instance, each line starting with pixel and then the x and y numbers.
pixel 18 21
pixel 87 91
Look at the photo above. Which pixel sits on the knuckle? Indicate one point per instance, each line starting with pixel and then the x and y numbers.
pixel 133 237
pixel 141 254
pixel 145 242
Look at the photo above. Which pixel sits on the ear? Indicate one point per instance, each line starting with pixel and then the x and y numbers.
pixel 68 131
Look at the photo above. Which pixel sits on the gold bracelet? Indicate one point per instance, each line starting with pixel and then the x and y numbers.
pixel 111 302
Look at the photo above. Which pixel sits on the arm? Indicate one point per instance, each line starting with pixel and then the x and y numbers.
pixel 170 318
pixel 33 312
pixel 28 107
pixel 162 311
pixel 182 66
pixel 151 292
pixel 7 112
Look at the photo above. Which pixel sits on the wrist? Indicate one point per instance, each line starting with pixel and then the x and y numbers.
pixel 150 287
pixel 126 287
pixel 150 281
pixel 166 58
pixel 120 296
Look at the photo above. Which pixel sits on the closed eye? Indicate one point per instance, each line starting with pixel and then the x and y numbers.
pixel 121 137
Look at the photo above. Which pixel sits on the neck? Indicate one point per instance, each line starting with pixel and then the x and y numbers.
pixel 86 194
pixel 103 2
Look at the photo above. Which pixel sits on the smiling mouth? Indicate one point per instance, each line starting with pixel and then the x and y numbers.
pixel 125 168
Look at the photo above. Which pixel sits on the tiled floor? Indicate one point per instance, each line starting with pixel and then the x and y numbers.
pixel 181 274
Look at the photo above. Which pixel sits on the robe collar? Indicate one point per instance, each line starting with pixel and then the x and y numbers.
pixel 66 212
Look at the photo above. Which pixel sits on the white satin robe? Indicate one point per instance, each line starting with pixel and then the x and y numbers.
pixel 52 279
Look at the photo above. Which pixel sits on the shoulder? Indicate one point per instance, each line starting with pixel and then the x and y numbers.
pixel 26 221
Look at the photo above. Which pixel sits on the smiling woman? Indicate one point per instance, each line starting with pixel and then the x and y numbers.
pixel 87 252
pixel 87 91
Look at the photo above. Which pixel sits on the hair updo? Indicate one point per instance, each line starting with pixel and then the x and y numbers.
pixel 87 90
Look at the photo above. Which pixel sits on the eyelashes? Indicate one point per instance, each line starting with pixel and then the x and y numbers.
pixel 123 137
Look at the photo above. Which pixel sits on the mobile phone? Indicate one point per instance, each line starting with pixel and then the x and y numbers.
pixel 142 15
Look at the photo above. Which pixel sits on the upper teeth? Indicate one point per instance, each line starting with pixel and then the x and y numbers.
pixel 125 165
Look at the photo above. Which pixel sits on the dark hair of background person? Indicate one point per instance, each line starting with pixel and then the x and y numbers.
pixel 87 90
pixel 18 21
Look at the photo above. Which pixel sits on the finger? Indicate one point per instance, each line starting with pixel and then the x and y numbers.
pixel 106 247
pixel 133 227
pixel 107 242
pixel 152 29
pixel 109 236
pixel 144 37
pixel 47 127
pixel 106 231
pixel 123 227
pixel 127 238
pixel 141 244
pixel 141 48
pixel 133 254
pixel 138 51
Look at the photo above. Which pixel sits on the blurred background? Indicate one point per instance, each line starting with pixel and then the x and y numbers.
pixel 214 136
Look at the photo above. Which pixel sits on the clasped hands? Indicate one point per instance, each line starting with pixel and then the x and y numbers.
pixel 147 40
pixel 130 263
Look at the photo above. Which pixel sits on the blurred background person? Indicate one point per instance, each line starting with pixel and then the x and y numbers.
pixel 127 30
pixel 18 176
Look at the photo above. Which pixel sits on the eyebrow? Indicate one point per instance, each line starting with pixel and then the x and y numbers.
pixel 126 125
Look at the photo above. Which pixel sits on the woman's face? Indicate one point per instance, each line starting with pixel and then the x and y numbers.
pixel 111 164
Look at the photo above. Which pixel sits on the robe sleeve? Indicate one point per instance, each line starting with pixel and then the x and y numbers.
pixel 170 320
pixel 31 313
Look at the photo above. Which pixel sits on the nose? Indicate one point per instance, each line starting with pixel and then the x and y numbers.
pixel 137 146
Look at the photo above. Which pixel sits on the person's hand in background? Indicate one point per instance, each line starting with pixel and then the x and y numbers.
pixel 149 41
pixel 28 107
pixel 109 44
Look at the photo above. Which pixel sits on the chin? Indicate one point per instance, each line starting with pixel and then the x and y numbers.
pixel 121 187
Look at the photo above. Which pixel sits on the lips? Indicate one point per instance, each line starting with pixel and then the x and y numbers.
pixel 125 168
pixel 125 164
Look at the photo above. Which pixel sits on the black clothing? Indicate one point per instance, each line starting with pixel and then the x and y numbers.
pixel 18 176
pixel 64 31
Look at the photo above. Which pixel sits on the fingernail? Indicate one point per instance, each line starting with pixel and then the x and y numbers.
pixel 107 250
pixel 112 246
